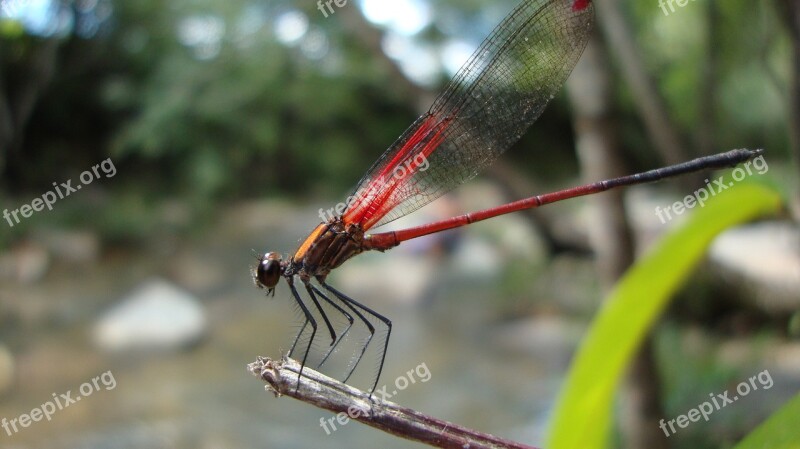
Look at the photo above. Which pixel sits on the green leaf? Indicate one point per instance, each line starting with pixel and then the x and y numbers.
pixel 583 414
pixel 780 431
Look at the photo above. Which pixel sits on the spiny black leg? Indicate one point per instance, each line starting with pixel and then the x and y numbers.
pixel 324 315
pixel 365 345
pixel 310 319
pixel 340 310
pixel 347 300
pixel 297 338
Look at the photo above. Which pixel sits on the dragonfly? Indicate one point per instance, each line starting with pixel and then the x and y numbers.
pixel 487 106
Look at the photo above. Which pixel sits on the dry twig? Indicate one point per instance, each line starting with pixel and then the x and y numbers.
pixel 317 389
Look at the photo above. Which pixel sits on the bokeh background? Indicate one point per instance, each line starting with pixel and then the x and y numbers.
pixel 229 124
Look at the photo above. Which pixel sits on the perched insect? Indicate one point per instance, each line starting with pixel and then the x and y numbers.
pixel 487 106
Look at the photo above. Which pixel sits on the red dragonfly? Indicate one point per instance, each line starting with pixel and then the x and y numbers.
pixel 487 106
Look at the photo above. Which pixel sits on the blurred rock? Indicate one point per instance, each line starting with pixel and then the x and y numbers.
pixel 764 261
pixel 81 247
pixel 25 263
pixel 6 370
pixel 156 316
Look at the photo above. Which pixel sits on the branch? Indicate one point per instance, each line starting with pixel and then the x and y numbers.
pixel 317 389
pixel 663 132
pixel 791 15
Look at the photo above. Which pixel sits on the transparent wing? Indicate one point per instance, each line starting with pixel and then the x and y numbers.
pixel 487 106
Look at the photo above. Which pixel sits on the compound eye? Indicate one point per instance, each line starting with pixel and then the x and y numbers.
pixel 268 272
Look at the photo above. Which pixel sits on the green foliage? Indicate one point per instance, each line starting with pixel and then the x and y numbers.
pixel 739 44
pixel 780 431
pixel 11 29
pixel 257 117
pixel 251 116
pixel 583 414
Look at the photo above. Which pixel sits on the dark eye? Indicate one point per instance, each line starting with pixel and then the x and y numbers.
pixel 268 272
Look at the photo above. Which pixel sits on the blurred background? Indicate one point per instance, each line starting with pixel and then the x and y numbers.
pixel 220 128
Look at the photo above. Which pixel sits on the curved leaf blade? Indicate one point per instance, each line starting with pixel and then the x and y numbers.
pixel 583 413
pixel 780 431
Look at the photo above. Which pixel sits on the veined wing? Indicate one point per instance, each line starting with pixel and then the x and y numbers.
pixel 487 106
